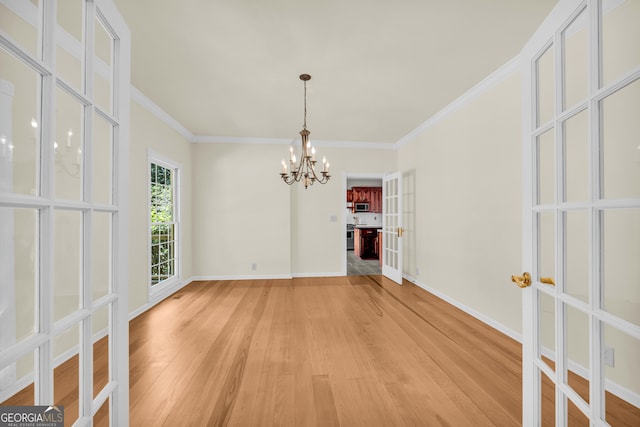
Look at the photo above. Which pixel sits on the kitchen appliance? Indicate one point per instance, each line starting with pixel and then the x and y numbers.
pixel 361 207
pixel 350 236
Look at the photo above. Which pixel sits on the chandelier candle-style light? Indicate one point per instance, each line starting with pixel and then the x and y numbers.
pixel 305 170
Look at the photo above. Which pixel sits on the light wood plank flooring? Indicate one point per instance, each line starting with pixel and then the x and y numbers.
pixel 349 351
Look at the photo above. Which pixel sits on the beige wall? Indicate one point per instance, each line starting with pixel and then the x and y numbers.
pixel 150 133
pixel 244 214
pixel 462 204
pixel 317 242
pixel 241 211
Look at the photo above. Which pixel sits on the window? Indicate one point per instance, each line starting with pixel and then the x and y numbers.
pixel 163 222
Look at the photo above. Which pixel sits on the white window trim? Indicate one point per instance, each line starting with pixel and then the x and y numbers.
pixel 158 291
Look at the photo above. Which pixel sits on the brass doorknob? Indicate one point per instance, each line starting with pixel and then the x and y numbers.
pixel 548 281
pixel 525 280
pixel 400 231
pixel 522 281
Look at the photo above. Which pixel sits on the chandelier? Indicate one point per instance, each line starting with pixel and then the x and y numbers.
pixel 305 170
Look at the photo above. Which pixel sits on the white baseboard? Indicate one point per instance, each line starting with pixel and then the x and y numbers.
pixel 483 318
pixel 159 297
pixel 612 387
pixel 243 277
pixel 334 274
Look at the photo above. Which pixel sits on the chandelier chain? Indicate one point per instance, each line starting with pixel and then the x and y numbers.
pixel 304 126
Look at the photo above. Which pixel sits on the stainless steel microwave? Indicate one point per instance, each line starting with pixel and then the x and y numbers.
pixel 361 207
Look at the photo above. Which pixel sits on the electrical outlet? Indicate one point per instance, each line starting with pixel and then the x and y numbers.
pixel 417 271
pixel 609 356
pixel 254 267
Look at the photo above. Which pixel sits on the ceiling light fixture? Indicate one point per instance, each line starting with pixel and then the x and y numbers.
pixel 304 171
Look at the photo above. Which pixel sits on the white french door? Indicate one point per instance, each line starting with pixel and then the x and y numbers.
pixel 392 226
pixel 64 126
pixel 581 213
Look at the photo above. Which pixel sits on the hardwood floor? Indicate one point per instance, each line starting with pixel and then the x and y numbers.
pixel 348 351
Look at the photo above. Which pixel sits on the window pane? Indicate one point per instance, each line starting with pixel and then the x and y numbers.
pixel 68 146
pixel 620 35
pixel 23 32
pixel 546 171
pixel 162 244
pixel 621 252
pixel 576 133
pixel 23 371
pixel 546 87
pixel 621 142
pixel 577 254
pixel 102 160
pixel 20 89
pixel 546 245
pixel 18 274
pixel 576 66
pixel 103 68
pixel 67 375
pixel 103 415
pixel 548 401
pixel 70 43
pixel 100 329
pixel 547 324
pixel 575 416
pixel 577 336
pixel 623 352
pixel 102 247
pixel 68 262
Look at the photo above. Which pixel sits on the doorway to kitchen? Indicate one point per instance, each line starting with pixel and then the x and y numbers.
pixel 363 224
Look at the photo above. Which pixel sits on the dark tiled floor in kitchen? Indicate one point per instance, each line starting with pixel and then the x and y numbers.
pixel 362 267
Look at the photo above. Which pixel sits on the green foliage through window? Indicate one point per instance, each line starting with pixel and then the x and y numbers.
pixel 163 226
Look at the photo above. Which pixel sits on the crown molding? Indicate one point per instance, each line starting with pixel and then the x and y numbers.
pixel 167 119
pixel 154 109
pixel 487 83
pixel 286 141
pixel 207 139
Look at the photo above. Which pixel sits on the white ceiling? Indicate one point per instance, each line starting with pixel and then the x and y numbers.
pixel 379 68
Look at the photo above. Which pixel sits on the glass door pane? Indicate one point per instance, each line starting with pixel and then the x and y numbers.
pixel 576 247
pixel 621 269
pixel 620 35
pixel 70 43
pixel 621 143
pixel 68 262
pixel 546 167
pixel 69 147
pixel 578 362
pixel 547 329
pixel 576 158
pixel 103 68
pixel 545 106
pixel 102 160
pixel 20 127
pixel 575 41
pixel 23 29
